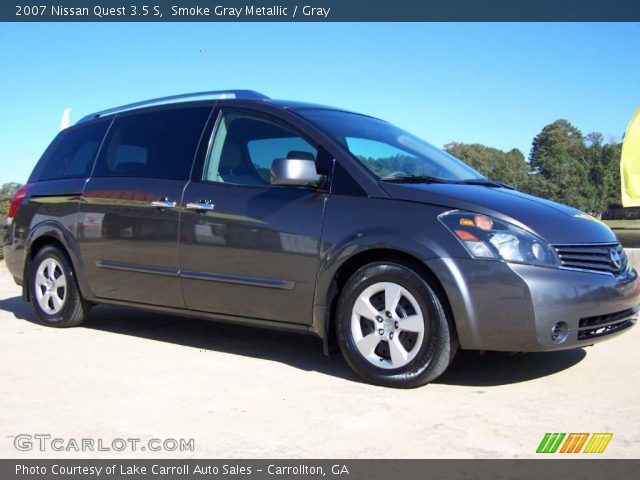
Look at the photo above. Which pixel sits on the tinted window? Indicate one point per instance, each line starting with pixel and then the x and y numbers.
pixel 156 144
pixel 383 159
pixel 72 153
pixel 244 148
pixel 388 151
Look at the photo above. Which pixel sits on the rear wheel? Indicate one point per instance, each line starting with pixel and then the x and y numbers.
pixel 54 291
pixel 392 327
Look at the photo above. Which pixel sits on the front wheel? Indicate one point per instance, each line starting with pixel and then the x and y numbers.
pixel 392 327
pixel 54 291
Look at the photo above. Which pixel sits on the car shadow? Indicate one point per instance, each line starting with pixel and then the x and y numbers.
pixel 297 350
pixel 301 351
pixel 488 369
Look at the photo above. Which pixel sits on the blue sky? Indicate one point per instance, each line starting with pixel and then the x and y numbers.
pixel 496 84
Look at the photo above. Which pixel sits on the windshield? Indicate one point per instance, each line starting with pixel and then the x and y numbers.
pixel 387 151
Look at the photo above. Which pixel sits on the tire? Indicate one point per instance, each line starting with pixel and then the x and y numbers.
pixel 400 355
pixel 54 290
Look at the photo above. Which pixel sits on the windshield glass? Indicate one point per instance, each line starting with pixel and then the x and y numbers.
pixel 387 151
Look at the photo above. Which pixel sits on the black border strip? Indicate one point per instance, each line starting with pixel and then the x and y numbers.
pixel 332 11
pixel 309 469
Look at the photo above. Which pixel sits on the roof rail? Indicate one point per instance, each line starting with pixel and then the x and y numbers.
pixel 216 94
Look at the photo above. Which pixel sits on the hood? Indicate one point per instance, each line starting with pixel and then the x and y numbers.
pixel 554 222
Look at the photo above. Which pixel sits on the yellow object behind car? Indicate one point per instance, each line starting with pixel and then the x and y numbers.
pixel 630 164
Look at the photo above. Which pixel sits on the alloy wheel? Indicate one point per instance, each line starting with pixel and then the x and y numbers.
pixel 50 286
pixel 387 325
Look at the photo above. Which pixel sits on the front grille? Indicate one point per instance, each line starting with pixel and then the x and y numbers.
pixel 609 258
pixel 601 325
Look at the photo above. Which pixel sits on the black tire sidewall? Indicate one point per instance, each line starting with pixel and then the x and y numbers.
pixel 427 364
pixel 72 296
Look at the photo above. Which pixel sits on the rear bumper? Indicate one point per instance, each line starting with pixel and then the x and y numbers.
pixel 13 253
pixel 509 307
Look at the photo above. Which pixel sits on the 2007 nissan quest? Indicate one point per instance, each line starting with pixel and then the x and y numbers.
pixel 232 206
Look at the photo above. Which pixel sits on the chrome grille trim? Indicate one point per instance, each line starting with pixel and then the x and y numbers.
pixel 597 258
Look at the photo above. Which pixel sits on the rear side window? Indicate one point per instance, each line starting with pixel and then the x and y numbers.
pixel 156 144
pixel 71 153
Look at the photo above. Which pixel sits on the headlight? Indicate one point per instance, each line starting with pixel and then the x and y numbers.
pixel 487 237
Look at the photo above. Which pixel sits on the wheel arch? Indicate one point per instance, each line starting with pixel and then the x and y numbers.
pixel 324 314
pixel 52 233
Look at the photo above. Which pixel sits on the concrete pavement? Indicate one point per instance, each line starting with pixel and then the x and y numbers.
pixel 242 392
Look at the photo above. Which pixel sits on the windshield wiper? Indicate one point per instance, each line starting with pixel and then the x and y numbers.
pixel 487 182
pixel 413 179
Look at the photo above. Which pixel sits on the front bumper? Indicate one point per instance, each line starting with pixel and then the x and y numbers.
pixel 511 307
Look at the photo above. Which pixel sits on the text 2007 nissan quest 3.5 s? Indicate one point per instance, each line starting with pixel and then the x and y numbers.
pixel 234 207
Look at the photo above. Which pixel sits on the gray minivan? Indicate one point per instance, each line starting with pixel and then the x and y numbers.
pixel 234 207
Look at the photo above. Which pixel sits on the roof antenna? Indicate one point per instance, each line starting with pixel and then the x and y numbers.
pixel 65 120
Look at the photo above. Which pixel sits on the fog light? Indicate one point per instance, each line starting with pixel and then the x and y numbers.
pixel 559 332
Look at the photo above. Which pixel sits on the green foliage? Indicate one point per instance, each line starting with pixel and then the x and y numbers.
pixel 559 159
pixel 604 174
pixel 7 191
pixel 384 167
pixel 571 169
pixel 508 167
pixel 564 166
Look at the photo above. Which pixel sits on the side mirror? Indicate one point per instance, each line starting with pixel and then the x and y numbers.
pixel 295 172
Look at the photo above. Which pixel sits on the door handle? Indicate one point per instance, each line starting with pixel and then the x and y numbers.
pixel 201 205
pixel 163 203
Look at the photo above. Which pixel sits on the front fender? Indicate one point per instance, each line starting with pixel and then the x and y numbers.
pixel 356 225
pixel 336 256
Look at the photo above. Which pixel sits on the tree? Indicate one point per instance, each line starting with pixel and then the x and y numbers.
pixel 508 167
pixel 564 166
pixel 613 153
pixel 561 168
pixel 603 160
pixel 7 191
